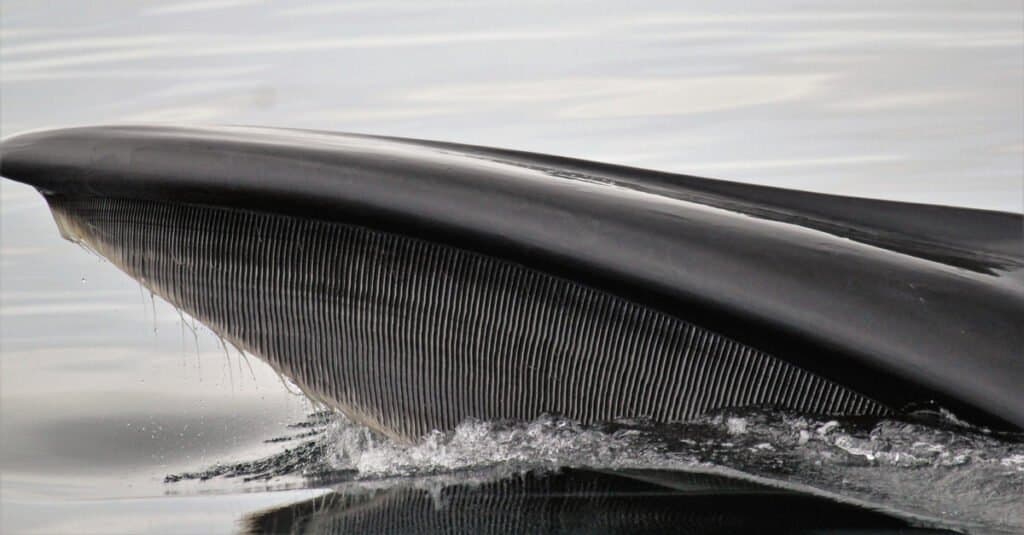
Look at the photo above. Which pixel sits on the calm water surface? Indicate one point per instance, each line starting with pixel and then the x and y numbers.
pixel 104 392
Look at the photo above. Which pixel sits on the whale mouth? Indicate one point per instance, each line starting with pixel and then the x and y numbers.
pixel 408 336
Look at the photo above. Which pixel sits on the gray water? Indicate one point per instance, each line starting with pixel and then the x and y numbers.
pixel 104 392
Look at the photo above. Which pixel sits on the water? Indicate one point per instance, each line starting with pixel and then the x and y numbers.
pixel 934 472
pixel 104 393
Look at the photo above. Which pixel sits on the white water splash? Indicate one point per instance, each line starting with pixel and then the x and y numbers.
pixel 957 476
pixel 544 443
pixel 938 474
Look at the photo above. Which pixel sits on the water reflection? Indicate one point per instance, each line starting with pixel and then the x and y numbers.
pixel 571 501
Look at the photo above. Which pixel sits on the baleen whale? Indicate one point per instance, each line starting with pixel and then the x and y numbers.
pixel 415 284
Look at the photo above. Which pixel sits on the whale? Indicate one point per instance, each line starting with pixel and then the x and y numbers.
pixel 415 284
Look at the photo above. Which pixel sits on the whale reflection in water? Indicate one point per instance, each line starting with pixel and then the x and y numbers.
pixel 575 501
pixel 413 285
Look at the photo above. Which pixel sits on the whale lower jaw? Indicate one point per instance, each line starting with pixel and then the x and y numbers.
pixel 409 336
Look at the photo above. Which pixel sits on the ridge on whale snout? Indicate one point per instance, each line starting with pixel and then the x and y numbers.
pixel 414 283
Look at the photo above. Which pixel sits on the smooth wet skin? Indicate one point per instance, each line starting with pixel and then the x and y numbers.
pixel 904 309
